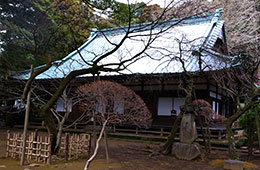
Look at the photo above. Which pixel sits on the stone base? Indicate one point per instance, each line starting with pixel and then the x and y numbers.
pixel 186 151
pixel 233 165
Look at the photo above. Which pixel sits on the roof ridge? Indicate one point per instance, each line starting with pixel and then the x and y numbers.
pixel 216 14
pixel 95 32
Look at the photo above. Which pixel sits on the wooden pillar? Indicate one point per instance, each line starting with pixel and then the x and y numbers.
pixel 161 133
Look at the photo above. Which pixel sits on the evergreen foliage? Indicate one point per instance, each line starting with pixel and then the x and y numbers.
pixel 31 30
pixel 248 122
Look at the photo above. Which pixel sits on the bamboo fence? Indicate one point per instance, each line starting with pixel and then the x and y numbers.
pixel 38 147
pixel 75 145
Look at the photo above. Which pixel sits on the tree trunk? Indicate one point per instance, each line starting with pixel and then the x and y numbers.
pixel 59 135
pixel 97 146
pixel 257 126
pixel 204 135
pixel 26 124
pixel 231 138
pixel 58 141
pixel 51 127
pixel 166 149
pixel 33 75
pixel 230 121
pixel 250 138
pixel 208 138
pixel 106 145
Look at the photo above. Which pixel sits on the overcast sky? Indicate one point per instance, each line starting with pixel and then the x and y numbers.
pixel 150 2
pixel 162 3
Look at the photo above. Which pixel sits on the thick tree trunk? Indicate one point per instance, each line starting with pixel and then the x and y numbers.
pixel 51 127
pixel 166 149
pixel 231 139
pixel 230 121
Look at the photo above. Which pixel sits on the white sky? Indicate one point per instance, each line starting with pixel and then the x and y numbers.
pixel 162 3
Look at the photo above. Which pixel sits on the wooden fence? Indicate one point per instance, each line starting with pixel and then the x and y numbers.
pixel 75 145
pixel 161 133
pixel 38 147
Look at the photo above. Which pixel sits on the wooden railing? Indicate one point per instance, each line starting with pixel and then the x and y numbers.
pixel 216 133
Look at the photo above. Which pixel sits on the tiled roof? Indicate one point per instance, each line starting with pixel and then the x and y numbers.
pixel 160 57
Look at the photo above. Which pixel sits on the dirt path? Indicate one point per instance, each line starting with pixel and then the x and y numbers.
pixel 124 155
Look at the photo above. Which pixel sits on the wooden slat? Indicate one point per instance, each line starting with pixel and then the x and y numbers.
pixel 38 148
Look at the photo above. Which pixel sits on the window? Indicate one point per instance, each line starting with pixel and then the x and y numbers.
pixel 212 94
pixel 61 105
pixel 167 104
pixel 215 107
pixel 164 106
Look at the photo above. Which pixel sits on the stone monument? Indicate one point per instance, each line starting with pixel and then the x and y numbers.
pixel 185 149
